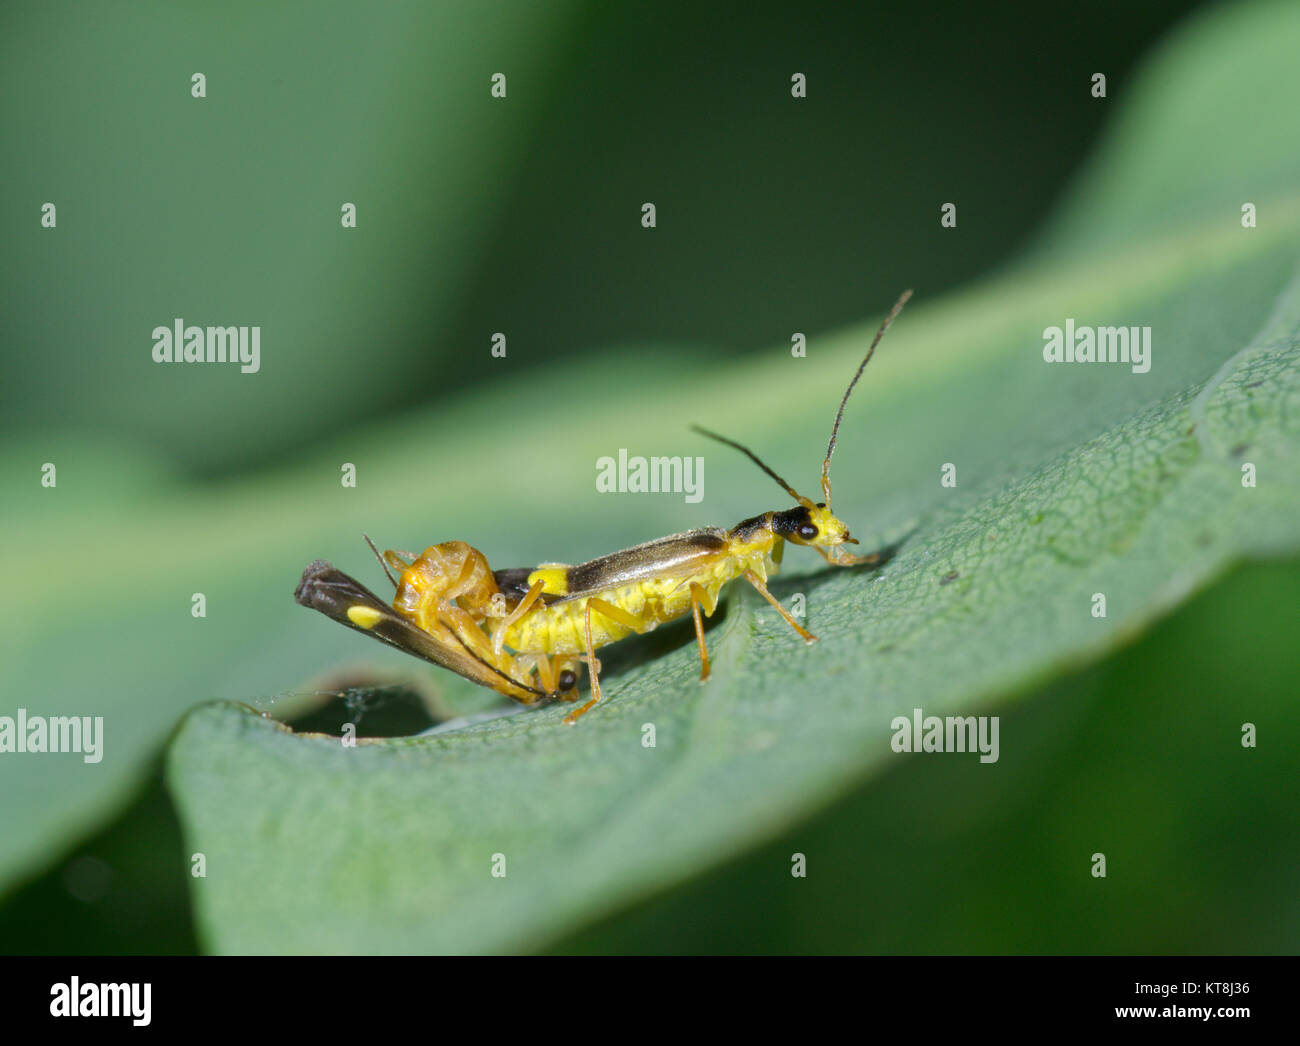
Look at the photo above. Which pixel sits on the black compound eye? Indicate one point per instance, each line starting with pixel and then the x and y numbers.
pixel 807 531
pixel 568 679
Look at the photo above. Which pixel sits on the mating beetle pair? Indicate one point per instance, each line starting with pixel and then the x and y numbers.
pixel 526 632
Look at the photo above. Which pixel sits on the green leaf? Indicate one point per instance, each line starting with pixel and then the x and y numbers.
pixel 1071 481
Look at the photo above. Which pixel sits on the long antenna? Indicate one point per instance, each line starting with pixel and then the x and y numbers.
pixel 835 429
pixel 757 461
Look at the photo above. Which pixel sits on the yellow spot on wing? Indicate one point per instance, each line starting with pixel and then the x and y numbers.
pixel 555 580
pixel 364 616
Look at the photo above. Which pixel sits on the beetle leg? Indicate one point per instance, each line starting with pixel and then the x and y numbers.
pixel 592 667
pixel 525 605
pixel 616 614
pixel 545 673
pixel 757 582
pixel 848 559
pixel 698 596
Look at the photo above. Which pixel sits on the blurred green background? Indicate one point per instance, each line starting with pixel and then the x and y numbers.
pixel 522 216
pixel 478 215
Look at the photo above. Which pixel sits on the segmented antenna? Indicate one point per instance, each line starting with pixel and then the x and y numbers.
pixel 835 429
pixel 757 461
